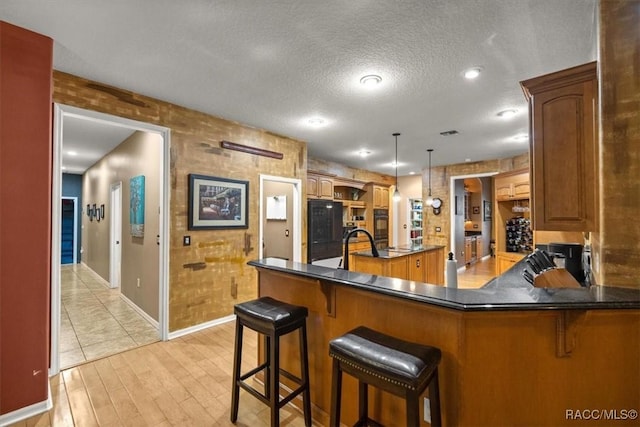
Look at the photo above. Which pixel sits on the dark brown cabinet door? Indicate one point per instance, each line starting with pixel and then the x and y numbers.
pixel 563 149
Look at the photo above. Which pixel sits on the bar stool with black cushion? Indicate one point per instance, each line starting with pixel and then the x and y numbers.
pixel 399 367
pixel 272 319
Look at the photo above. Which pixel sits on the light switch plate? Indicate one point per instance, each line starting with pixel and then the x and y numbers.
pixel 186 240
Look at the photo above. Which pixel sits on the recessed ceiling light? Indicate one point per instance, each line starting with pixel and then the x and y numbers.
pixel 72 153
pixel 467 160
pixel 64 168
pixel 472 73
pixel 371 80
pixel 412 173
pixel 507 114
pixel 316 121
pixel 364 153
pixel 394 164
pixel 521 137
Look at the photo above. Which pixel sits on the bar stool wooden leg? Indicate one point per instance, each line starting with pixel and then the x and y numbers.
pixel 336 394
pixel 274 382
pixel 267 374
pixel 412 402
pixel 434 401
pixel 363 403
pixel 304 370
pixel 237 363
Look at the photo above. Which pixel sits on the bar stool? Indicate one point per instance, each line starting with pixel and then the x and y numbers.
pixel 399 367
pixel 272 319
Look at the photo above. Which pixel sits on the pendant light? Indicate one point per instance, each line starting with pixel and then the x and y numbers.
pixel 396 194
pixel 429 200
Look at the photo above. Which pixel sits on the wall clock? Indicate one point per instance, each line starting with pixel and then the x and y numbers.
pixel 436 205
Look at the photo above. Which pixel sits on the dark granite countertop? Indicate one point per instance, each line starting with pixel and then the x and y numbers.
pixel 508 292
pixel 400 251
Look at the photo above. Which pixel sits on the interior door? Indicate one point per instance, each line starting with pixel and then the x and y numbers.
pixel 115 251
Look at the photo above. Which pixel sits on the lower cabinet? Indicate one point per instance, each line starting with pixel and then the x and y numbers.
pixel 417 267
pixel 434 261
pixel 506 260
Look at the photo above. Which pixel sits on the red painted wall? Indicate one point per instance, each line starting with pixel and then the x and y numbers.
pixel 25 215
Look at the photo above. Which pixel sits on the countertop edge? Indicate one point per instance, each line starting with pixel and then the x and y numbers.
pixel 439 297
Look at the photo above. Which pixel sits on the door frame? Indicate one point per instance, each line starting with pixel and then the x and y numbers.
pixel 297 214
pixel 75 226
pixel 115 222
pixel 452 205
pixel 60 112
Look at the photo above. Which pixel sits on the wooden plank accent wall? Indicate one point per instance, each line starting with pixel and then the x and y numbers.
pixel 616 248
pixel 198 295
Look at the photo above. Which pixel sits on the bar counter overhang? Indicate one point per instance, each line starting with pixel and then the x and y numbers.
pixel 512 354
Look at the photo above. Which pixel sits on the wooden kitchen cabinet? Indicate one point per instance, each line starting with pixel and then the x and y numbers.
pixel 512 185
pixel 468 250
pixel 563 149
pixel 479 248
pixel 319 186
pixel 506 260
pixel 434 271
pixel 378 196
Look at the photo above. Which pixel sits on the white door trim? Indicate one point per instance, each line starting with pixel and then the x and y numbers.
pixel 115 234
pixel 61 111
pixel 297 214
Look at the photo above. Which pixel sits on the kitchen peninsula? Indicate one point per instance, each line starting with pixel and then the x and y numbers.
pixel 511 355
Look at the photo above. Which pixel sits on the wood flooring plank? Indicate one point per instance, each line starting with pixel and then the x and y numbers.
pixel 81 408
pixel 124 405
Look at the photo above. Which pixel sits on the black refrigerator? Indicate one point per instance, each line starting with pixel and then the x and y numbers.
pixel 324 225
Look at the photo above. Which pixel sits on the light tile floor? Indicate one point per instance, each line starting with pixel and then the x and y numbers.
pixel 95 321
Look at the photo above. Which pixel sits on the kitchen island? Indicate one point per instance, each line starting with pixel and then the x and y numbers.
pixel 511 355
pixel 421 264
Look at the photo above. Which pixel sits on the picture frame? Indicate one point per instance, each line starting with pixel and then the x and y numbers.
pixel 487 210
pixel 476 210
pixel 217 203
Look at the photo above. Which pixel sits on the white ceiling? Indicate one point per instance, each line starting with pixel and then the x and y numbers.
pixel 275 64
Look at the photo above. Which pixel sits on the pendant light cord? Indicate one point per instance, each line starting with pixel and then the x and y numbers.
pixel 430 150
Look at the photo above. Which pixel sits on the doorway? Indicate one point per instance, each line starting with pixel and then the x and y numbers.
pixel 68 230
pixel 64 113
pixel 280 218
pixel 471 228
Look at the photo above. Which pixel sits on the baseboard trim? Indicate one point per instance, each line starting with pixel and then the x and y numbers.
pixel 28 411
pixel 202 326
pixel 140 311
pixel 98 277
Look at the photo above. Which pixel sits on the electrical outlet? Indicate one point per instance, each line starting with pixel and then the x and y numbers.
pixel 138 284
pixel 427 410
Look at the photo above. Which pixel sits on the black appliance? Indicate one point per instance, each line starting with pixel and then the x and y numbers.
pixel 324 225
pixel 519 237
pixel 572 253
pixel 381 228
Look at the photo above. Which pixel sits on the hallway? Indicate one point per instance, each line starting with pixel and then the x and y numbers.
pixel 95 321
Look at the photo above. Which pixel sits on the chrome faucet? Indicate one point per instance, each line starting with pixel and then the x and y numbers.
pixel 345 255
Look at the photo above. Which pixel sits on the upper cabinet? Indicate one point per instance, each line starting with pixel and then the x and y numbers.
pixel 512 186
pixel 563 151
pixel 380 195
pixel 319 186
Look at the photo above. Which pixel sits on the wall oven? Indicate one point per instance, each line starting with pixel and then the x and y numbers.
pixel 381 228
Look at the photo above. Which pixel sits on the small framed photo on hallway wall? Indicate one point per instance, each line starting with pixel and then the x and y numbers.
pixel 217 203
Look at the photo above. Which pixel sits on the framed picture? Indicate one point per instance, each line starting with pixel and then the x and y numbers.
pixel 217 203
pixel 476 210
pixel 136 206
pixel 487 210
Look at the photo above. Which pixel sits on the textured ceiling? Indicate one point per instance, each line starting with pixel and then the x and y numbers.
pixel 275 64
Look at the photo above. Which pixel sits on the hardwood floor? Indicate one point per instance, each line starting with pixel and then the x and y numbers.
pixel 185 381
pixel 477 274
